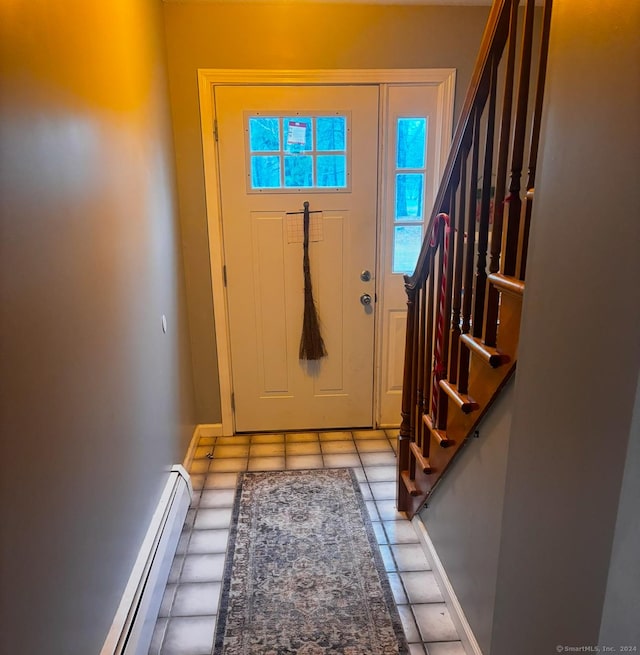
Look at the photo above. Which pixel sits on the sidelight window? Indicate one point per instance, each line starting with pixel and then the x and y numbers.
pixel 409 191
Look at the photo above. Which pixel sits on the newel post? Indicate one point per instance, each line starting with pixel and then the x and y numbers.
pixel 406 427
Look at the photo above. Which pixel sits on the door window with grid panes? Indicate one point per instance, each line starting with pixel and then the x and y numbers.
pixel 410 168
pixel 296 153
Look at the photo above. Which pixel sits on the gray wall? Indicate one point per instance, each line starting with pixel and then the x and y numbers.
pixel 96 402
pixel 621 615
pixel 579 349
pixel 464 517
pixel 275 36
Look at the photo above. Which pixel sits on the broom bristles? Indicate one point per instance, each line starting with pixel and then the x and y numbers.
pixel 311 343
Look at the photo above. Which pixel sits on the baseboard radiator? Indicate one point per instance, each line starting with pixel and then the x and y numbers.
pixel 132 627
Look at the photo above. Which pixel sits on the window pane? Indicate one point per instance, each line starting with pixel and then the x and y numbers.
pixel 265 172
pixel 331 133
pixel 411 142
pixel 264 134
pixel 297 135
pixel 331 171
pixel 298 171
pixel 409 196
pixel 407 240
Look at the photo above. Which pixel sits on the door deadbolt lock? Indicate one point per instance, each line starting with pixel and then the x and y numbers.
pixel 365 276
pixel 365 299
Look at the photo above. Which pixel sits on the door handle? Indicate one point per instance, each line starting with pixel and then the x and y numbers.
pixel 365 299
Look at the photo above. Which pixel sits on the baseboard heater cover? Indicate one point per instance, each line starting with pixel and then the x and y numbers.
pixel 132 627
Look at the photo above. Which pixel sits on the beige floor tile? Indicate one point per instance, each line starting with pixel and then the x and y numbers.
pixel 213 519
pixel 421 587
pixel 397 589
pixel 369 434
pixel 293 437
pixel 381 473
pixel 337 447
pixel 266 464
pixel 378 459
pixel 218 480
pixel 383 490
pixel 199 466
pixel 346 460
pixel 410 557
pixel 223 452
pixel 336 436
pixel 400 532
pixel 202 567
pixel 267 438
pixel 303 448
pixel 373 446
pixel 446 648
pixel 197 481
pixel 267 450
pixel 388 512
pixel 196 599
pixel 208 541
pixel 189 635
pixel 202 451
pixel 409 624
pixel 434 622
pixel 236 440
pixel 217 498
pixel 304 462
pixel 229 465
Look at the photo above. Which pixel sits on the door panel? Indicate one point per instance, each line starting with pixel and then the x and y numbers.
pixel 262 234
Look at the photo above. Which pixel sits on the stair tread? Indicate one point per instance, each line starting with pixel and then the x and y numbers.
pixel 464 402
pixel 490 355
pixel 410 484
pixel 507 283
pixel 440 435
pixel 422 459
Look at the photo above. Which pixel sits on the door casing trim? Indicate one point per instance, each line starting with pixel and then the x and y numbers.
pixel 208 78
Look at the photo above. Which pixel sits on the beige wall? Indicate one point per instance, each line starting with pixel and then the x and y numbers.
pixel 96 400
pixel 281 36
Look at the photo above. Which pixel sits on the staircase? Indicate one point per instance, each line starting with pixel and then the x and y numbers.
pixel 464 299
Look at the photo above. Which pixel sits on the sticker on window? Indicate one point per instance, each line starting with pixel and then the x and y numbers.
pixel 297 134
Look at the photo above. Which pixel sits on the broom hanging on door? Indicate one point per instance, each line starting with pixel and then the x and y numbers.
pixel 311 343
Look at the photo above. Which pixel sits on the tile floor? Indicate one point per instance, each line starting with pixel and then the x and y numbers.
pixel 187 617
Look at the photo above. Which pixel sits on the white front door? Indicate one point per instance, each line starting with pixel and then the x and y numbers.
pixel 281 146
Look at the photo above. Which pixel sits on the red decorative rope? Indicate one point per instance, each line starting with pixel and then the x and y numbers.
pixel 439 367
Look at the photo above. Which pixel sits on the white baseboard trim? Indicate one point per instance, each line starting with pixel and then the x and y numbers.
pixel 133 624
pixel 455 609
pixel 193 444
pixel 210 429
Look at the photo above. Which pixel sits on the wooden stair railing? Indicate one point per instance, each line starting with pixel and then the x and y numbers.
pixel 464 298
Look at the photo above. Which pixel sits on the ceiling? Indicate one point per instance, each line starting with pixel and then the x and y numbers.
pixel 468 3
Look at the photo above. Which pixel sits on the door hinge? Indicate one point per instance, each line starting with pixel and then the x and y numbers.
pixel 224 275
pixel 233 401
pixel 215 129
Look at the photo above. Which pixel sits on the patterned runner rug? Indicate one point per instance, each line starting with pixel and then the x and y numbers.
pixel 303 574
